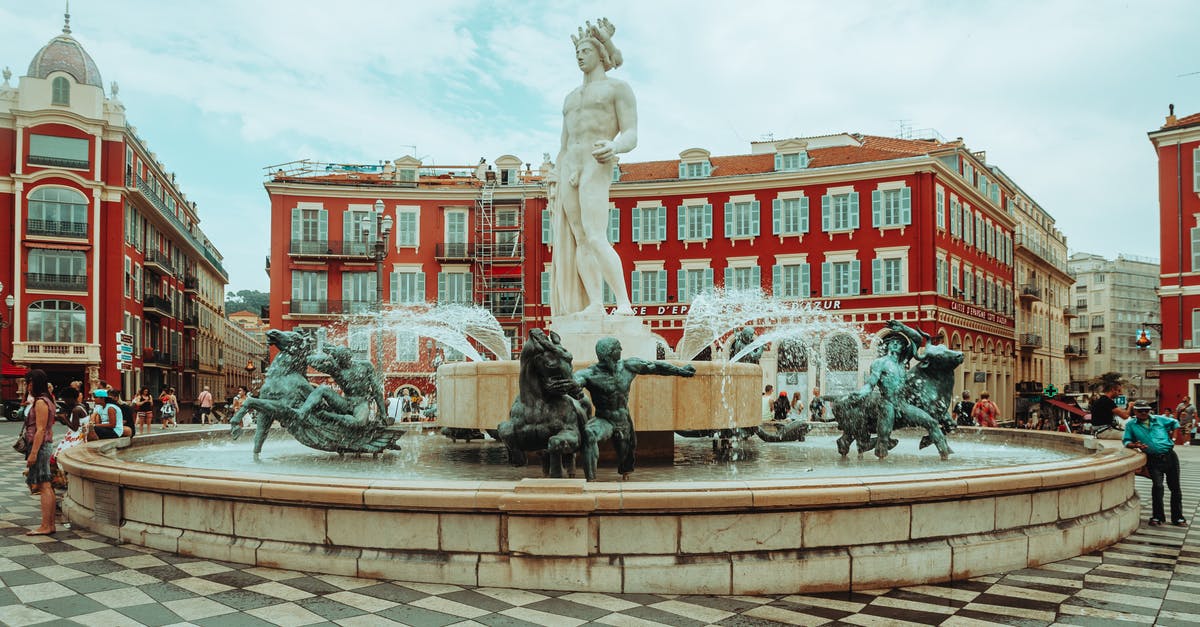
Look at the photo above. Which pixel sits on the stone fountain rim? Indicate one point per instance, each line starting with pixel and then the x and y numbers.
pixel 98 461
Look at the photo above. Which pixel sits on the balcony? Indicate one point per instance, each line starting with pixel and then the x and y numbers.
pixel 1081 306
pixel 191 321
pixel 192 364
pixel 1029 388
pixel 1029 341
pixel 512 250
pixel 327 248
pixel 57 162
pixel 1069 313
pixel 160 260
pixel 157 304
pixel 56 352
pixel 191 284
pixel 55 228
pixel 153 358
pixel 1030 293
pixel 56 282
pixel 1075 352
pixel 148 194
pixel 327 307
pixel 454 252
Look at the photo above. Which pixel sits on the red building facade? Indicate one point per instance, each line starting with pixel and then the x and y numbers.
pixel 873 227
pixel 101 245
pixel 1177 145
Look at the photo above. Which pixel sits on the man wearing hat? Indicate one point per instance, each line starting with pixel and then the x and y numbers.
pixel 1152 435
pixel 108 421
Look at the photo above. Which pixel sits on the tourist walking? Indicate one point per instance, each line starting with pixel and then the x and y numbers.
pixel 1152 435
pixel 143 410
pixel 39 435
pixel 964 410
pixel 1185 413
pixel 169 408
pixel 984 412
pixel 205 400
pixel 816 407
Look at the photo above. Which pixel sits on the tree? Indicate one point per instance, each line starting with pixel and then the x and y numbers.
pixel 1102 381
pixel 247 300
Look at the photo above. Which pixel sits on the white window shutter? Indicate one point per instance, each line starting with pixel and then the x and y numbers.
pixel 297 225
pixel 681 221
pixel 876 275
pixel 776 211
pixel 441 287
pixel 636 222
pixel 635 286
pixel 826 285
pixel 708 221
pixel 347 227
pixel 323 225
pixel 854 210
pixel 662 286
pixel 729 220
pixel 804 214
pixel 394 287
pixel 420 295
pixel 876 209
pixel 755 212
pixel 682 170
pixel 825 212
pixel 906 205
pixel 662 224
pixel 777 280
pixel 855 282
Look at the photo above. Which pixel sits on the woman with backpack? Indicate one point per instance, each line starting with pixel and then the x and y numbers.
pixel 39 434
pixel 170 407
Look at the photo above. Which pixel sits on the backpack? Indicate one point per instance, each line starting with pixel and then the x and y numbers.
pixel 168 409
pixel 962 413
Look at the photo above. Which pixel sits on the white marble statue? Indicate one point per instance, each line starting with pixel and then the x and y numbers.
pixel 599 122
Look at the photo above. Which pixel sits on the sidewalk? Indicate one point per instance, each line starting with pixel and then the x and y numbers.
pixel 1153 577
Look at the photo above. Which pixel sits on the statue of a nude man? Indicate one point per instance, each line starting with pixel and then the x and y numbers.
pixel 599 122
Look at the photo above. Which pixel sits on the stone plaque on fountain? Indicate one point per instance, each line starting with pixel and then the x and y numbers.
pixel 581 331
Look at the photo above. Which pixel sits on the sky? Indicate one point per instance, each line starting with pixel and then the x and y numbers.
pixel 1060 94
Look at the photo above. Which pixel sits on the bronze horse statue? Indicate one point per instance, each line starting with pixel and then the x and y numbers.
pixel 285 387
pixel 545 416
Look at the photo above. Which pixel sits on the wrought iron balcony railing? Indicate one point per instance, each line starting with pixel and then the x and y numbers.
pixel 58 282
pixel 57 228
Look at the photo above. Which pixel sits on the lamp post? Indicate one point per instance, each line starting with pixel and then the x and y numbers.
pixel 383 227
pixel 9 301
pixel 1143 339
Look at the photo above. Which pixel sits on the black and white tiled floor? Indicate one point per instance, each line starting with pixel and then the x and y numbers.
pixel 1153 577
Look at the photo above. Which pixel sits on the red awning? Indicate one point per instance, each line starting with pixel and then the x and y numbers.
pixel 13 370
pixel 57 246
pixel 1061 405
pixel 505 270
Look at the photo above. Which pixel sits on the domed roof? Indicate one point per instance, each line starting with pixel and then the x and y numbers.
pixel 64 54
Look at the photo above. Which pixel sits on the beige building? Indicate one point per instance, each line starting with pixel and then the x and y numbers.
pixel 1114 299
pixel 242 358
pixel 1043 287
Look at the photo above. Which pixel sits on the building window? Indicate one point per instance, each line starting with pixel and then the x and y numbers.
pixel 358 231
pixel 939 209
pixel 358 340
pixel 791 161
pixel 406 228
pixel 51 269
pixel 358 292
pixel 839 212
pixel 969 173
pixel 887 275
pixel 456 227
pixel 60 91
pixel 59 152
pixel 693 282
pixel 941 274
pixel 790 280
pixel 56 321
pixel 547 227
pixel 1196 170
pixel 408 347
pixel 454 287
pixel 648 287
pixel 1195 328
pixel 1196 249
pixel 310 230
pixel 408 287
pixel 955 286
pixel 58 212
pixel 309 292
pixel 840 278
pixel 955 218
pixel 614 225
pixel 695 170
pixel 741 219
pixel 545 280
pixel 744 278
pixel 789 216
pixel 649 224
pixel 891 207
pixel 694 223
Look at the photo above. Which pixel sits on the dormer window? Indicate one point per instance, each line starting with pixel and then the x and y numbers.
pixel 791 155
pixel 406 175
pixel 406 169
pixel 509 169
pixel 60 91
pixel 694 164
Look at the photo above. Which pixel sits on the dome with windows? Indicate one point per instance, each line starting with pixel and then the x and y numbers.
pixel 65 54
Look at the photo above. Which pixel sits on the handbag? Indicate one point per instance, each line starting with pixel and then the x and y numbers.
pixel 22 444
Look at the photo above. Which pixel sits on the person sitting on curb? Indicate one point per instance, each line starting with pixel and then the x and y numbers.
pixel 1152 435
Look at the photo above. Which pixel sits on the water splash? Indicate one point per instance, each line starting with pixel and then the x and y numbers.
pixel 451 325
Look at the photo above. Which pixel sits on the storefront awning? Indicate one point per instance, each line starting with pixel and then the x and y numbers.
pixel 13 370
pixel 1061 405
pixel 58 246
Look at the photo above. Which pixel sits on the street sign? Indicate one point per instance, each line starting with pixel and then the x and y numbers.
pixel 125 348
pixel 124 338
pixel 124 366
pixel 124 356
pixel 1121 400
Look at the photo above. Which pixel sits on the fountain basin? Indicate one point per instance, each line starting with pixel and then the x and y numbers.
pixel 479 395
pixel 681 537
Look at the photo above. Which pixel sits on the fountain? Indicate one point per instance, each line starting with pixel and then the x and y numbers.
pixel 785 517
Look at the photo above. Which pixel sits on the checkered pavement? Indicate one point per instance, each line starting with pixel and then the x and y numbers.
pixel 1152 577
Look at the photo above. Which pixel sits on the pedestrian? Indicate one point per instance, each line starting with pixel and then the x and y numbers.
pixel 143 408
pixel 797 405
pixel 984 412
pixel 239 398
pixel 1105 412
pixel 168 407
pixel 205 400
pixel 1152 435
pixel 768 398
pixel 782 406
pixel 963 410
pixel 1185 413
pixel 39 433
pixel 107 424
pixel 816 407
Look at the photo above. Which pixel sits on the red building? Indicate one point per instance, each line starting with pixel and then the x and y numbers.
pixel 874 227
pixel 100 241
pixel 1178 146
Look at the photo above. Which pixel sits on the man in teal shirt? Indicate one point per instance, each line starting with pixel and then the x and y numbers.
pixel 1152 435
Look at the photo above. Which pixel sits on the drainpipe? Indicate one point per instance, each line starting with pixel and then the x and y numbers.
pixel 1179 228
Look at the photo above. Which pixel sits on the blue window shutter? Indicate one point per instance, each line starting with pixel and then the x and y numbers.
pixel 545 287
pixel 776 277
pixel 682 170
pixel 707 169
pixel 662 225
pixel 420 287
pixel 614 225
pixel 681 221
pixel 393 287
pixel 826 285
pixel 804 214
pixel 441 287
pixel 635 286
pixel 347 227
pixel 662 286
pixel 681 286
pixel 906 205
pixel 775 212
pixel 855 282
pixel 636 223
pixel 729 219
pixel 755 212
pixel 876 270
pixel 545 226
pixel 805 285
pixel 854 210
pixel 708 220
pixel 825 212
pixel 876 209
pixel 757 274
pixel 297 226
pixel 709 282
pixel 323 225
pixel 778 162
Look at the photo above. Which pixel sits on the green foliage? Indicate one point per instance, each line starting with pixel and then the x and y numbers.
pixel 248 300
pixel 1098 383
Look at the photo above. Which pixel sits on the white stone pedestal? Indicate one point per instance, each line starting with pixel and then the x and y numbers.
pixel 580 332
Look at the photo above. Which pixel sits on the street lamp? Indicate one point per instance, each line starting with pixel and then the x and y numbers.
pixel 1143 340
pixel 383 227
pixel 9 301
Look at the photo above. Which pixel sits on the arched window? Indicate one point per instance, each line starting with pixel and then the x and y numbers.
pixel 57 211
pixel 56 321
pixel 60 91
